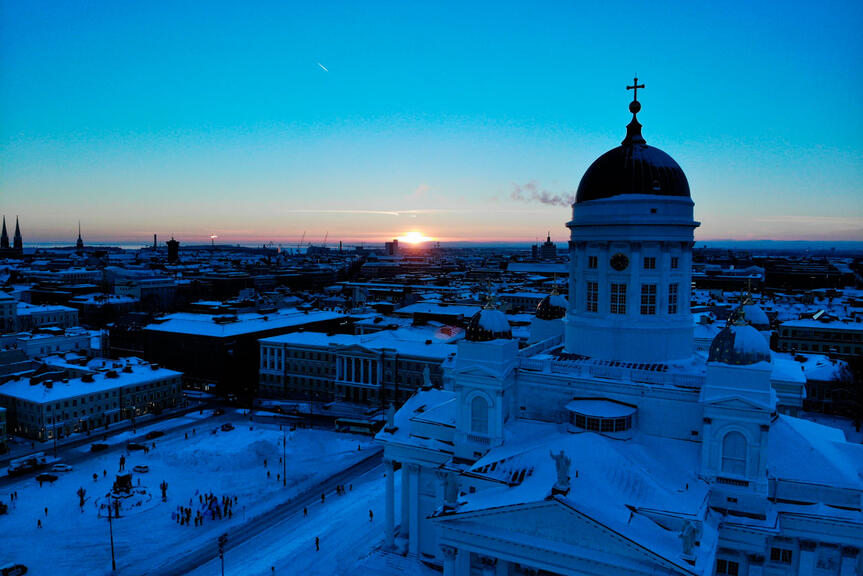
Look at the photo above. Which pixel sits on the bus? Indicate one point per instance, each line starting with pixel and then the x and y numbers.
pixel 368 427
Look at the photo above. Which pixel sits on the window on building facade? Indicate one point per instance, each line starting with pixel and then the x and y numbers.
pixel 727 567
pixel 782 555
pixel 650 263
pixel 648 298
pixel 618 298
pixel 675 262
pixel 479 415
pixel 673 293
pixel 734 454
pixel 592 262
pixel 592 304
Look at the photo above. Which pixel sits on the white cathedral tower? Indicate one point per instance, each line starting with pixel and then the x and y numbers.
pixel 630 255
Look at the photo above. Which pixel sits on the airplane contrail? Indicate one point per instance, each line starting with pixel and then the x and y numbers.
pixel 324 68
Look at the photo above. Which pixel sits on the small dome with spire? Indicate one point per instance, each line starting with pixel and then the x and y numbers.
pixel 552 307
pixel 739 344
pixel 488 324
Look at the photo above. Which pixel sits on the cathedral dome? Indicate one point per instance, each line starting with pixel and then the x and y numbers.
pixel 739 344
pixel 552 307
pixel 633 168
pixel 488 324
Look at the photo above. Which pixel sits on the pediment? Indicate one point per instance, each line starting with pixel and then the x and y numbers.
pixel 478 370
pixel 733 401
pixel 557 526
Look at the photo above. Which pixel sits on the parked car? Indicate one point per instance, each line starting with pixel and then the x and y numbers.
pixel 60 467
pixel 13 570
pixel 218 412
pixel 227 427
pixel 134 446
pixel 154 434
pixel 141 468
pixel 98 447
pixel 46 477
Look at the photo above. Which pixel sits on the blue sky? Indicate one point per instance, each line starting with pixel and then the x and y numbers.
pixel 192 118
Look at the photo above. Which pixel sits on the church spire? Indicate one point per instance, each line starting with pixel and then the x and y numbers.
pixel 633 129
pixel 17 243
pixel 80 243
pixel 4 237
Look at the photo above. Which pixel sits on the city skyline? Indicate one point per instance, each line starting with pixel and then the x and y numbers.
pixel 461 124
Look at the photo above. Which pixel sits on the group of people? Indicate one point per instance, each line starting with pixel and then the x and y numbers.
pixel 209 504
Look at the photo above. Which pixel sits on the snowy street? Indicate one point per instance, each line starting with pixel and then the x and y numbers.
pixel 47 531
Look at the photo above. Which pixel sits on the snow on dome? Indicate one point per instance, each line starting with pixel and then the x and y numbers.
pixel 552 307
pixel 739 344
pixel 488 324
pixel 755 315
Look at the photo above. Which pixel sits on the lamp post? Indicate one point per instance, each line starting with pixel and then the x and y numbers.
pixel 284 457
pixel 111 532
pixel 223 539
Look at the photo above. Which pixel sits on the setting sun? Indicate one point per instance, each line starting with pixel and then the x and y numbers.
pixel 413 237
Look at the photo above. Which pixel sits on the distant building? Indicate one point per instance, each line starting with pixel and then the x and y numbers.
pixel 31 317
pixel 91 402
pixel 153 294
pixel 173 250
pixel 376 369
pixel 49 341
pixel 836 337
pixel 8 313
pixel 17 248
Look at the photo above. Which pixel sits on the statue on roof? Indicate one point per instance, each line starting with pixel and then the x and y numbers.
pixel 562 462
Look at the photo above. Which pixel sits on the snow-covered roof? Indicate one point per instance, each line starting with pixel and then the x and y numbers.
pixel 207 324
pixel 418 341
pixel 40 393
pixel 619 484
pixel 806 451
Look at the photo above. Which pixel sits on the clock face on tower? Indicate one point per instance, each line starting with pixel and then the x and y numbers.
pixel 619 261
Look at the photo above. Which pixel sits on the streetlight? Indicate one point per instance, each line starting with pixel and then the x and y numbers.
pixel 223 539
pixel 284 458
pixel 111 532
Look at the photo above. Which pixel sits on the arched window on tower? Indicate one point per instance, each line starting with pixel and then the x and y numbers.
pixel 734 454
pixel 479 415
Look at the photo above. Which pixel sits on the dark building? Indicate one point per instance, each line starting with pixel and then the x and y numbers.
pixel 220 352
pixel 173 250
pixel 17 248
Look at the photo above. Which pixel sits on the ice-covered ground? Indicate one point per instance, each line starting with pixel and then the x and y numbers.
pixel 231 463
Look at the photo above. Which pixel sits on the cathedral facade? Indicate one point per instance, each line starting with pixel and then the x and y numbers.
pixel 611 445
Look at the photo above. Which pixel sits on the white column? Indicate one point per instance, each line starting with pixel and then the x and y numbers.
pixel 404 525
pixel 449 556
pixel 604 296
pixel 390 503
pixel 807 558
pixel 849 564
pixel 634 280
pixel 413 546
pixel 664 266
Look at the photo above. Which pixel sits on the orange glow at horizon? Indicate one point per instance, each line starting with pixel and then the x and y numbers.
pixel 413 237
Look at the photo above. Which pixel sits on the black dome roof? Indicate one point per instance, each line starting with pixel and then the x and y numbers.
pixel 552 307
pixel 486 325
pixel 633 168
